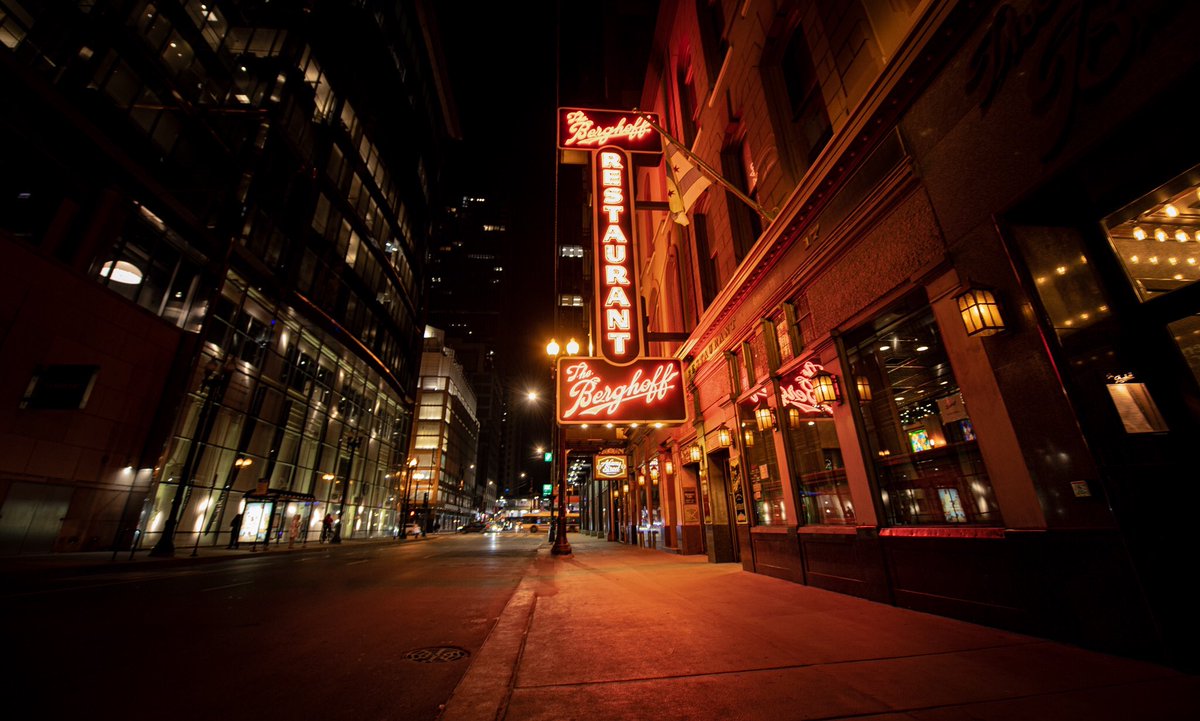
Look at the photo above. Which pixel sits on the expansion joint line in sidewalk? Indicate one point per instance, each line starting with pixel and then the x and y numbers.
pixel 767 669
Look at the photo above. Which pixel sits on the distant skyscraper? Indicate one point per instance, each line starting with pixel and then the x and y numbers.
pixel 220 212
pixel 443 487
pixel 468 289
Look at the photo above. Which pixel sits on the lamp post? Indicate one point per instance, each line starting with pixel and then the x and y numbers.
pixel 412 464
pixel 561 547
pixel 353 443
pixel 216 379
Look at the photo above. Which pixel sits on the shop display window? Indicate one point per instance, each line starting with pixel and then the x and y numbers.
pixel 1157 237
pixel 761 465
pixel 820 473
pixel 919 435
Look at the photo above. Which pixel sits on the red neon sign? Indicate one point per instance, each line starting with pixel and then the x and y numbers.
pixel 648 390
pixel 590 129
pixel 618 305
pixel 801 394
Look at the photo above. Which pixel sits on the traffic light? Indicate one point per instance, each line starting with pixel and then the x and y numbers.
pixel 547 457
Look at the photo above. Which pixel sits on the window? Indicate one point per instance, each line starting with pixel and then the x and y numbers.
pixel 1157 239
pixel 705 260
pixel 762 468
pixel 816 461
pixel 806 105
pixel 746 224
pixel 919 434
pixel 570 301
pixel 571 251
pixel 686 87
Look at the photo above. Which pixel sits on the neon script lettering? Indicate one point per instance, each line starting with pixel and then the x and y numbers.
pixel 801 393
pixel 583 130
pixel 589 397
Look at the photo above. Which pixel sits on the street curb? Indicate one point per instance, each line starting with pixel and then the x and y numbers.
pixel 484 690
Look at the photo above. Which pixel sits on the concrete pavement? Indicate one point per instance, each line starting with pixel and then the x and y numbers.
pixel 617 632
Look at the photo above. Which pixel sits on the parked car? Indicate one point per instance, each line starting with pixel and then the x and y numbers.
pixel 414 529
pixel 474 527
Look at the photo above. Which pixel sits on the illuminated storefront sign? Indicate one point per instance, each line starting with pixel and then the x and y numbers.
pixel 611 466
pixel 619 317
pixel 801 392
pixel 647 390
pixel 590 129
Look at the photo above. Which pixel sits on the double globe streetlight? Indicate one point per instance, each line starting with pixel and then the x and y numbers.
pixel 561 547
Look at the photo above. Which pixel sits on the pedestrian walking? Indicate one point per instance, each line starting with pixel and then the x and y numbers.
pixel 326 527
pixel 235 531
pixel 295 532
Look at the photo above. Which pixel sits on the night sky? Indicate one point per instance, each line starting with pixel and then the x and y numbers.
pixel 501 64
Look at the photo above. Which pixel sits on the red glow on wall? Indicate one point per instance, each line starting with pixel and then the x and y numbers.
pixel 591 129
pixel 648 390
pixel 618 305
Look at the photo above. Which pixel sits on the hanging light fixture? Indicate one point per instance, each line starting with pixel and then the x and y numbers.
pixel 825 388
pixel 764 417
pixel 694 453
pixel 980 312
pixel 863 386
pixel 641 479
pixel 724 437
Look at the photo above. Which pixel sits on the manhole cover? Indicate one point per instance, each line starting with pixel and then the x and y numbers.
pixel 436 654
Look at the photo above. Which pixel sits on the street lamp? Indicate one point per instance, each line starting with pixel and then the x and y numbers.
pixel 215 381
pixel 412 464
pixel 561 547
pixel 353 443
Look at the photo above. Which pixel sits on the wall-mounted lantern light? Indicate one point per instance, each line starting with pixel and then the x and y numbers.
pixel 980 312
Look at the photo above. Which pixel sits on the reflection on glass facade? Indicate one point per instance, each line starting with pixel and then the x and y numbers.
pixel 816 462
pixel 295 412
pixel 761 465
pixel 1157 238
pixel 919 434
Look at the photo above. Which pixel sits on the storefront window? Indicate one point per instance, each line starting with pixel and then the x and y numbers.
pixel 1157 238
pixel 820 473
pixel 1186 333
pixel 920 437
pixel 760 465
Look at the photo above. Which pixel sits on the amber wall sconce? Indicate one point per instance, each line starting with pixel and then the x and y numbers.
pixel 980 312
pixel 826 389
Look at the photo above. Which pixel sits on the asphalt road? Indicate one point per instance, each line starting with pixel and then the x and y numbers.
pixel 321 634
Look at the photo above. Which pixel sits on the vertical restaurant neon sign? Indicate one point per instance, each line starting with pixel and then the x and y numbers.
pixel 618 302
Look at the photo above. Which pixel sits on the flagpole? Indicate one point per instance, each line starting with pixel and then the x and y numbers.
pixel 706 168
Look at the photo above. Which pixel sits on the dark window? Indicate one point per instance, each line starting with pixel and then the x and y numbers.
pixel 809 116
pixel 746 224
pixel 705 261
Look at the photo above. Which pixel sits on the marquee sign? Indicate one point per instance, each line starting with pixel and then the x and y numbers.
pixel 619 317
pixel 591 129
pixel 647 390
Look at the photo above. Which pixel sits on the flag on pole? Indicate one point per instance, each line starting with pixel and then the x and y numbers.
pixel 685 183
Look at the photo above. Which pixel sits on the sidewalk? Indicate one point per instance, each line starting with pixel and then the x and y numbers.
pixel 616 632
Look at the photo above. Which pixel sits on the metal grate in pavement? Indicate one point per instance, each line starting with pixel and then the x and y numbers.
pixel 436 654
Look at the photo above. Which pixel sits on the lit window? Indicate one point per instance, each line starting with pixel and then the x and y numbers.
pixel 571 251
